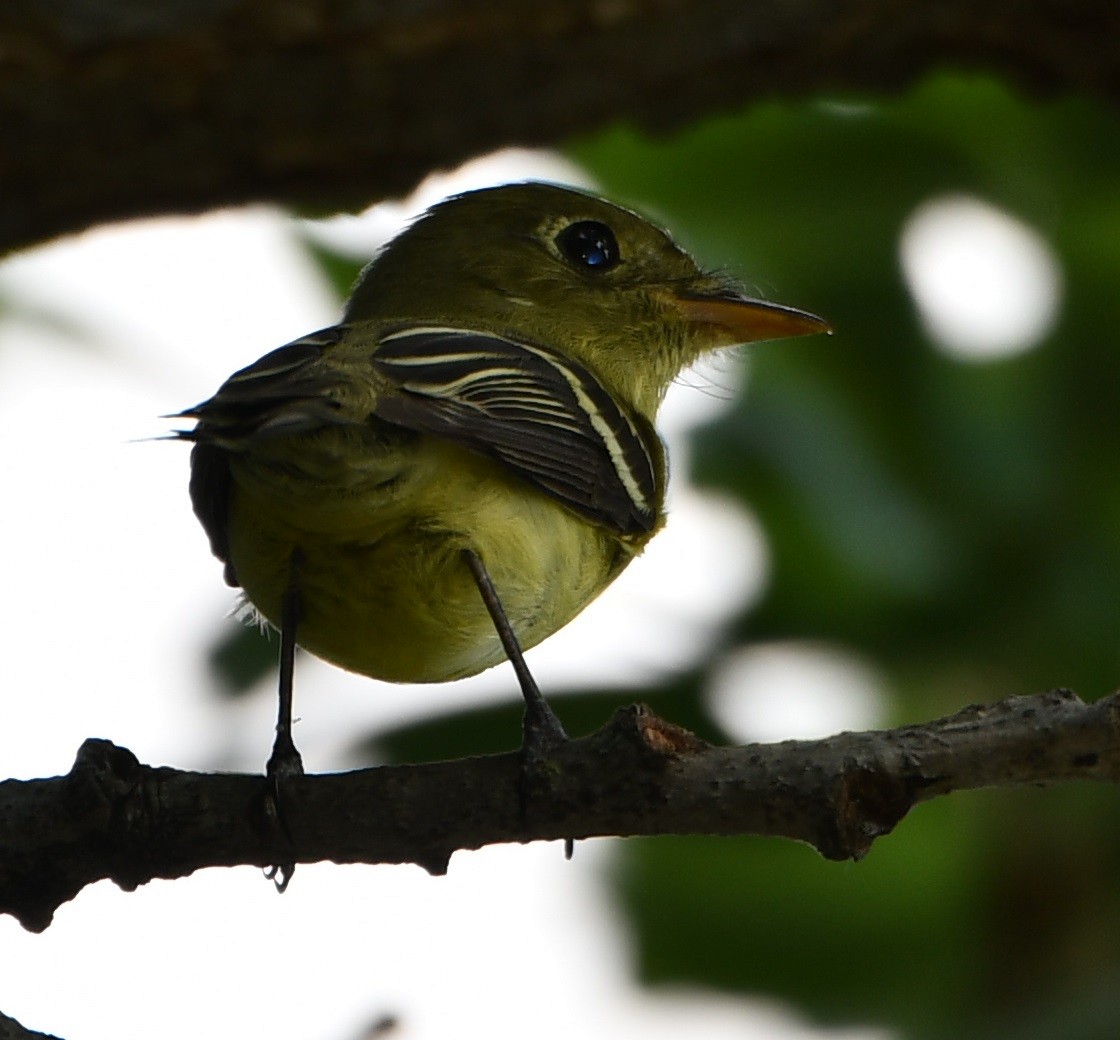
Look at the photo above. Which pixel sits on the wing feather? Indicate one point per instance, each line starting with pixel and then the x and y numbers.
pixel 280 393
pixel 544 415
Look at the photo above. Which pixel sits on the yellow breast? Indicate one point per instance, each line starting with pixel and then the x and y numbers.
pixel 383 587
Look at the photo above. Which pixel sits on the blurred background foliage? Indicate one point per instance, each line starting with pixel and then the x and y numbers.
pixel 954 522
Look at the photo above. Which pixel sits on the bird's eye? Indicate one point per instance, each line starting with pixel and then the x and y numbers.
pixel 590 244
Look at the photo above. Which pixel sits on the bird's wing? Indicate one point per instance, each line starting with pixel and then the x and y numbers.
pixel 283 392
pixel 543 415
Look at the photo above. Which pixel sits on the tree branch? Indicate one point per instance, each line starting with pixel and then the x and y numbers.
pixel 112 817
pixel 10 1029
pixel 119 110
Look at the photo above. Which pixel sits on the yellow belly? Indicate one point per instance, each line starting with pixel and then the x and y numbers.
pixel 383 587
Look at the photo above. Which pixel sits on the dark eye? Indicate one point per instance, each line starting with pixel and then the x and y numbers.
pixel 587 243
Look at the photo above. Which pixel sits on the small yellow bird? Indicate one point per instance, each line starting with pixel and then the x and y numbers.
pixel 460 466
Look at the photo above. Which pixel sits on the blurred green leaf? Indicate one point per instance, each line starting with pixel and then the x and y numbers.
pixel 341 271
pixel 486 731
pixel 240 657
pixel 889 939
pixel 955 523
pixel 917 507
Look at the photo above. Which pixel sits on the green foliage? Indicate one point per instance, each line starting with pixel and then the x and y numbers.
pixel 486 731
pixel 958 524
pixel 947 518
pixel 895 933
pixel 341 271
pixel 242 655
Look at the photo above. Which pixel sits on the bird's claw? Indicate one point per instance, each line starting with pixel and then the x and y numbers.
pixel 283 764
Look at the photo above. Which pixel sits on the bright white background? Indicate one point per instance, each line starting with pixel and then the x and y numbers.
pixel 111 598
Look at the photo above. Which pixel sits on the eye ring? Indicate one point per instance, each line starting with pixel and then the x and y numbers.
pixel 589 244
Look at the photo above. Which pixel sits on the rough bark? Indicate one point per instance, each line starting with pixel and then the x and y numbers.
pixel 110 111
pixel 112 817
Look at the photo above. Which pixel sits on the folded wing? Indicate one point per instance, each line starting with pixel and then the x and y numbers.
pixel 544 415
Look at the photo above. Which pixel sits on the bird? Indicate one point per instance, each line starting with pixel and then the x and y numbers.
pixel 468 458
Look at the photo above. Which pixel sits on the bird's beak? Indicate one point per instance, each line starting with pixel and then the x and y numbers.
pixel 733 318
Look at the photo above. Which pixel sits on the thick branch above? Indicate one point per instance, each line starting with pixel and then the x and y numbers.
pixel 10 1029
pixel 112 817
pixel 109 111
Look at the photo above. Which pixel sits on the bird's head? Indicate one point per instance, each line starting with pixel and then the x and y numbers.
pixel 572 271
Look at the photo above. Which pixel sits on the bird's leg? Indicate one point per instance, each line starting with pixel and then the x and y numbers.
pixel 285 760
pixel 541 730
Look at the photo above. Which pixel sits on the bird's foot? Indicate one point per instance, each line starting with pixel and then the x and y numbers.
pixel 283 764
pixel 542 733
